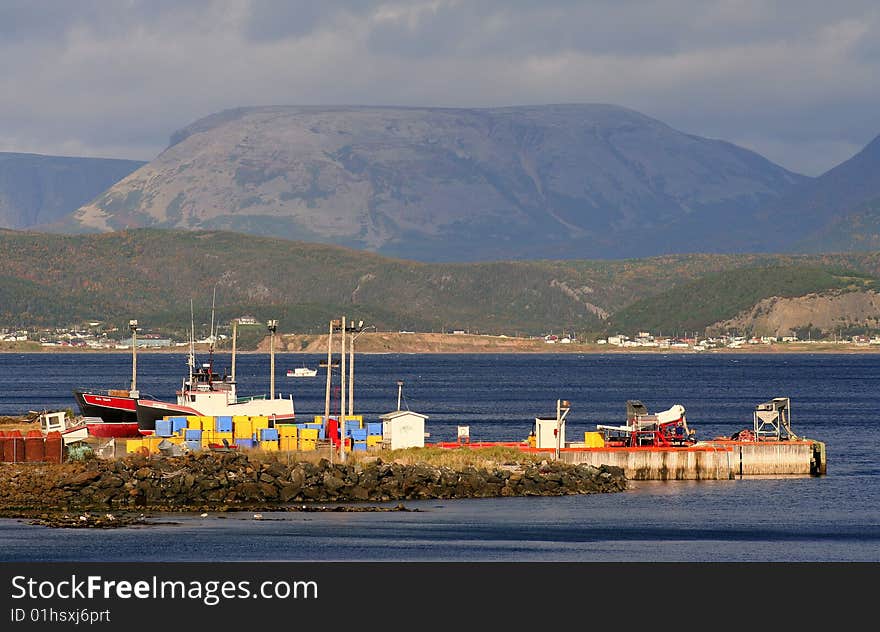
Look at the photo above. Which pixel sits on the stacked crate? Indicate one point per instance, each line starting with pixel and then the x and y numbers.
pixel 267 439
pixel 287 437
pixel 374 435
pixel 308 438
pixel 243 432
pixel 354 422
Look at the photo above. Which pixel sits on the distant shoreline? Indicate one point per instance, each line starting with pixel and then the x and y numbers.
pixel 391 343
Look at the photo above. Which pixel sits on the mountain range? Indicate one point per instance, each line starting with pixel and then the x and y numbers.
pixel 36 190
pixel 589 181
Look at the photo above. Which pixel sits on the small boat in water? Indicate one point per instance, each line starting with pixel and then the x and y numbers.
pixel 302 371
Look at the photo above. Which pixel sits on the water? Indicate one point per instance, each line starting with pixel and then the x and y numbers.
pixel 835 518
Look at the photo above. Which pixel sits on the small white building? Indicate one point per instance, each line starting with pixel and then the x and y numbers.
pixel 404 429
pixel 546 431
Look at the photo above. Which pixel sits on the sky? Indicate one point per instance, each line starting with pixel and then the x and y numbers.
pixel 794 80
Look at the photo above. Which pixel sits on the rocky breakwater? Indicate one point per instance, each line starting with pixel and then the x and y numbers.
pixel 232 481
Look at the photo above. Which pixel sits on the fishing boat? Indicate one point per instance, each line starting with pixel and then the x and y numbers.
pixel 302 371
pixel 204 392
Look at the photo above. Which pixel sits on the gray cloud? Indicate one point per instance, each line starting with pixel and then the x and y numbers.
pixel 793 80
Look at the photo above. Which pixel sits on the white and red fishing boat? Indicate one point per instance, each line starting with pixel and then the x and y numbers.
pixel 109 413
pixel 206 393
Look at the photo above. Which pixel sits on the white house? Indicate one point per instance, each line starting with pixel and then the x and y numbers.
pixel 404 429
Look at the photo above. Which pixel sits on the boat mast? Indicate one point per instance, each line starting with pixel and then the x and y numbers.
pixel 211 343
pixel 192 343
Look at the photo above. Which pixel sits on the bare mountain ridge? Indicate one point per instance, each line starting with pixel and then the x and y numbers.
pixel 447 184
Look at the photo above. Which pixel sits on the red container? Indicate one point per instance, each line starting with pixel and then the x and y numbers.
pixel 13 448
pixel 34 447
pixel 2 443
pixel 54 447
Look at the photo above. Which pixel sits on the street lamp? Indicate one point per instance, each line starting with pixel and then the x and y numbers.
pixel 357 332
pixel 273 326
pixel 133 325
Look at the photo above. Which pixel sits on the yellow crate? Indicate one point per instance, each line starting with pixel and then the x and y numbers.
pixel 193 422
pixel 242 428
pixel 309 434
pixel 594 440
pixel 268 446
pixel 209 423
pixel 374 440
pixel 133 445
pixel 287 430
pixel 258 422
pixel 308 444
pixel 288 444
pixel 152 443
pixel 319 419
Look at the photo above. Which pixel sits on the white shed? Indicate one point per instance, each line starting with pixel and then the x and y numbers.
pixel 404 429
pixel 546 429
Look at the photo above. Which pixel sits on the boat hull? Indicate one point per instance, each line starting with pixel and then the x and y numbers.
pixel 108 416
pixel 105 430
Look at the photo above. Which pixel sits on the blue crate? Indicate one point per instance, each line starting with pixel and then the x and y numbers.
pixel 358 434
pixel 195 446
pixel 374 428
pixel 224 423
pixel 163 428
pixel 268 434
pixel 359 446
pixel 192 434
pixel 246 444
pixel 177 424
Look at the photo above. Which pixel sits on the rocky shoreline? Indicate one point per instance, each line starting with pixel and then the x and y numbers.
pixel 119 492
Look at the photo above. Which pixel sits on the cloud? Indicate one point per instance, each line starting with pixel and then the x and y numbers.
pixel 117 79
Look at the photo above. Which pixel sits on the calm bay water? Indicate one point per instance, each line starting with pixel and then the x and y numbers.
pixel 832 518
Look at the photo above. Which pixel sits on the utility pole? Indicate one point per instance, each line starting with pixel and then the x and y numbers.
pixel 333 323
pixel 273 326
pixel 234 332
pixel 342 398
pixel 357 330
pixel 399 392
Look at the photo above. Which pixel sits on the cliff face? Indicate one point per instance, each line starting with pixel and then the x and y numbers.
pixel 440 184
pixel 829 312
